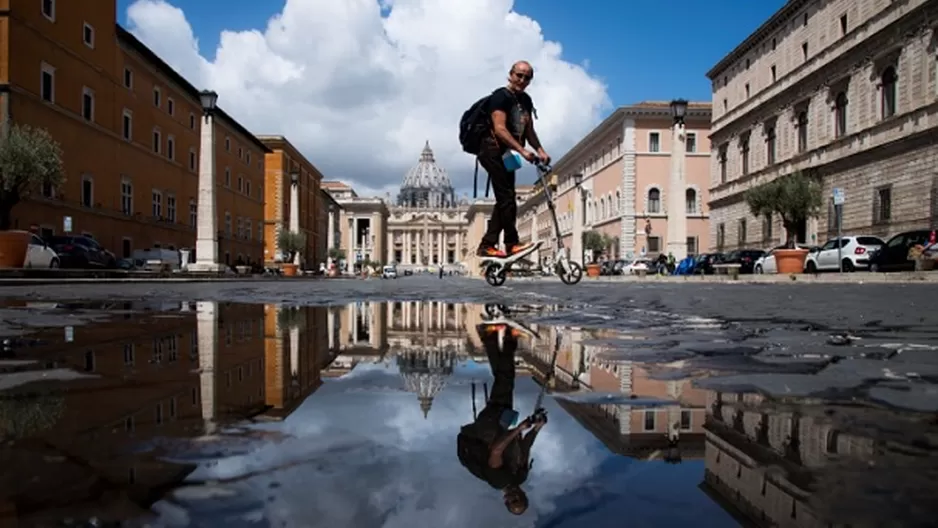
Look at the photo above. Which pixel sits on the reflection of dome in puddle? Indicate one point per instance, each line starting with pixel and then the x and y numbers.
pixel 425 372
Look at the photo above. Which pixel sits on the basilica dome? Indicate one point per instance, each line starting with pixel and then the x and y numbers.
pixel 427 184
pixel 425 373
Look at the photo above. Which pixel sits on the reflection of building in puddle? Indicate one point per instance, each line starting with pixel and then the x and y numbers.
pixel 74 449
pixel 673 432
pixel 798 466
pixel 424 339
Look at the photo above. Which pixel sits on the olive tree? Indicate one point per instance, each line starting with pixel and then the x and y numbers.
pixel 29 159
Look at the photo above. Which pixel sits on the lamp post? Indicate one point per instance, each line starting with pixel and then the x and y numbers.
pixel 295 207
pixel 677 216
pixel 579 216
pixel 206 242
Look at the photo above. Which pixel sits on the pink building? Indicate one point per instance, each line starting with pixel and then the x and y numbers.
pixel 625 163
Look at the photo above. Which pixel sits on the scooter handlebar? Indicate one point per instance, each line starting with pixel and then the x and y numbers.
pixel 541 166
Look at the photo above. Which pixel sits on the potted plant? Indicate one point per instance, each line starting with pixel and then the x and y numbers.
pixel 290 243
pixel 337 255
pixel 594 243
pixel 29 159
pixel 794 198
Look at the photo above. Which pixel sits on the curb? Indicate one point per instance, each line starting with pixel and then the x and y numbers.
pixel 901 277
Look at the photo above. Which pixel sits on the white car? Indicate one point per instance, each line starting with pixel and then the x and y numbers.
pixel 636 266
pixel 855 252
pixel 40 255
pixel 766 263
pixel 389 272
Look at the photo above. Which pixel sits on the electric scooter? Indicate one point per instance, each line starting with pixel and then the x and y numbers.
pixel 570 272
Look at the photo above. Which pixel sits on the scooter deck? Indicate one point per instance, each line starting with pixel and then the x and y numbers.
pixel 510 259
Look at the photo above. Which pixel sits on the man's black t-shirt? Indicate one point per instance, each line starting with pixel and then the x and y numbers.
pixel 475 442
pixel 518 108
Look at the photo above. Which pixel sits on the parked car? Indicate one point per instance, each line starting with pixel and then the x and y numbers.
pixel 40 255
pixel 81 252
pixel 746 258
pixel 767 264
pixel 855 252
pixel 389 272
pixel 894 254
pixel 637 265
pixel 704 263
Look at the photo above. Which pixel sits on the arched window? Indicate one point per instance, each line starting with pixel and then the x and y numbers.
pixel 654 201
pixel 802 131
pixel 690 198
pixel 840 115
pixel 615 206
pixel 890 85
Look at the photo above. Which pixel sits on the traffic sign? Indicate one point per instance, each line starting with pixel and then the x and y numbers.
pixel 838 195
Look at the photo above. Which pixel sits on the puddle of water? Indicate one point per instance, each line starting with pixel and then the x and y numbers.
pixel 372 414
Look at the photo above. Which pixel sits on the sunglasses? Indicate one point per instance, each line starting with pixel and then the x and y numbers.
pixel 524 76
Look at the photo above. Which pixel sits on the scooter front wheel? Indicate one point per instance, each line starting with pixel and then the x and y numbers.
pixel 494 276
pixel 572 275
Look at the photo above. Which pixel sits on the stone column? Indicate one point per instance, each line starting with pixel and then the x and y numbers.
pixel 206 242
pixel 677 214
pixel 576 245
pixel 207 336
pixel 330 234
pixel 295 212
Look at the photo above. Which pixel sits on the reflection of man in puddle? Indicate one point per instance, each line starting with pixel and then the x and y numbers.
pixel 489 447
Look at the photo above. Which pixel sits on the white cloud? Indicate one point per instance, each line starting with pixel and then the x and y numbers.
pixel 359 85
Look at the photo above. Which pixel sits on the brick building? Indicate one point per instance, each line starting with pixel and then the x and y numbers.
pixel 845 90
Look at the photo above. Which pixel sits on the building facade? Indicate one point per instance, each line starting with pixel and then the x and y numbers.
pixel 329 216
pixel 281 164
pixel 845 91
pixel 129 129
pixel 625 163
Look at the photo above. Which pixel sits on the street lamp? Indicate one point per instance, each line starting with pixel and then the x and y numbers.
pixel 677 187
pixel 295 177
pixel 578 179
pixel 206 237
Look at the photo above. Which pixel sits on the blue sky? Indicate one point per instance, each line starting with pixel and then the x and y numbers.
pixel 642 50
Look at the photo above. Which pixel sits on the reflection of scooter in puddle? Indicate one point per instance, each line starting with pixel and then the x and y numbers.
pixel 492 447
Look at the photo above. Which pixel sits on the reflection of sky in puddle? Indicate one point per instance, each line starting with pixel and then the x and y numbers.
pixel 356 457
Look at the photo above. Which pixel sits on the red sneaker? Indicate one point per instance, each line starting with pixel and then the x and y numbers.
pixel 484 251
pixel 519 248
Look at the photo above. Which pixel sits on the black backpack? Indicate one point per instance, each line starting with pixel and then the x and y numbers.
pixel 474 125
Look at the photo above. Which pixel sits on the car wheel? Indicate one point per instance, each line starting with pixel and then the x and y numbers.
pixel 848 265
pixel 54 263
pixel 874 268
pixel 811 267
pixel 759 270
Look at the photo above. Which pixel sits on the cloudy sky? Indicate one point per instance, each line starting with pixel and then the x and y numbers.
pixel 360 453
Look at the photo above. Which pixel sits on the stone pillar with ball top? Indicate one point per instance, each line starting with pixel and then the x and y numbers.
pixel 206 242
pixel 677 215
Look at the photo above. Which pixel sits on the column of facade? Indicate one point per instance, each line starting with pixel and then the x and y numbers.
pixel 458 252
pixel 441 315
pixel 207 337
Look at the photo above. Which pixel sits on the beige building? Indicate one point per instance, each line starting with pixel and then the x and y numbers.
pixel 625 163
pixel 426 225
pixel 845 90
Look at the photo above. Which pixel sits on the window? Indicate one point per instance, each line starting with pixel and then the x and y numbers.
pixel 843 25
pixel 227 177
pixel 87 35
pixel 170 106
pixel 247 187
pixel 741 232
pixel 654 244
pixel 685 420
pixel 770 142
pixel 157 201
pixel 249 157
pixel 157 141
pixel 171 207
pixel 128 78
pixel 767 230
pixel 171 148
pixel 889 90
pixel 690 142
pixel 747 90
pixel 649 420
pixel 691 245
pixel 240 153
pixel 192 159
pixel 690 199
pixel 227 223
pixel 89 361
pixel 802 131
pixel 240 183
pixel 840 115
pixel 654 142
pixel 48 9
pixel 47 83
pixel 193 212
pixel 127 125
pixel 774 73
pixel 157 97
pixel 721 159
pixel 87 104
pixel 721 236
pixel 774 44
pixel 804 51
pixel 240 227
pixel 159 414
pixel 247 228
pixel 805 20
pixel 87 191
pixel 227 144
pixel 744 153
pixel 191 121
pixel 654 201
pixel 128 354
pixel 127 197
pixel 882 205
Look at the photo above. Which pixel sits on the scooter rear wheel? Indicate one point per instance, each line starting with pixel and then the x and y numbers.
pixel 494 276
pixel 573 275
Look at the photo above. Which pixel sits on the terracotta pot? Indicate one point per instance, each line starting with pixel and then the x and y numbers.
pixel 592 270
pixel 289 270
pixel 790 261
pixel 13 247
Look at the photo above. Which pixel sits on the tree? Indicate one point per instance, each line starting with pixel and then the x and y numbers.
pixel 794 198
pixel 29 158
pixel 593 241
pixel 291 317
pixel 290 243
pixel 336 254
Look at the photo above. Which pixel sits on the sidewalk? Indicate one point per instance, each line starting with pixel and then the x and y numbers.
pixel 862 277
